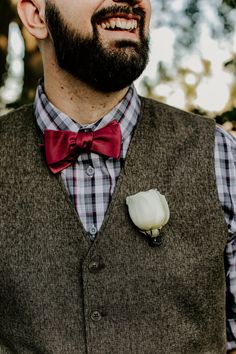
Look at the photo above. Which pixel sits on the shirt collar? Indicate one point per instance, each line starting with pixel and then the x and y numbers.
pixel 126 112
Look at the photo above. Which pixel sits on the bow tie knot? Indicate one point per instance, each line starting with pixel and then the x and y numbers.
pixel 84 141
pixel 63 147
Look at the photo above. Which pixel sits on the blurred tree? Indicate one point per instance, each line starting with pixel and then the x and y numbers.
pixel 7 11
pixel 185 16
pixel 228 118
pixel 33 68
pixel 32 60
pixel 189 19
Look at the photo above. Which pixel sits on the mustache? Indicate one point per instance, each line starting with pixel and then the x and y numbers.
pixel 115 10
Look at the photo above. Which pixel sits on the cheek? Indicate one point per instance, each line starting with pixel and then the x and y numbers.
pixel 78 16
pixel 81 26
pixel 82 16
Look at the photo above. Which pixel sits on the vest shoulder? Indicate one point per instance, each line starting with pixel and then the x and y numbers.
pixel 175 116
pixel 17 119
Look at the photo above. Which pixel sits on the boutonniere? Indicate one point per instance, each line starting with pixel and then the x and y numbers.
pixel 149 211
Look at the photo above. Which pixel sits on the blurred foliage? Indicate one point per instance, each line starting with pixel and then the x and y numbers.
pixel 220 16
pixel 185 22
pixel 8 10
pixel 32 60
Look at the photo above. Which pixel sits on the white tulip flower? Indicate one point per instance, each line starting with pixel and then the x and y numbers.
pixel 149 211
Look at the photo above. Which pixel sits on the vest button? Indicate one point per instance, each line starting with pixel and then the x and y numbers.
pixel 96 316
pixel 93 266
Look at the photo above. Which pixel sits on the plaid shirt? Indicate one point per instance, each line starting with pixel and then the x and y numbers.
pixel 225 167
pixel 92 180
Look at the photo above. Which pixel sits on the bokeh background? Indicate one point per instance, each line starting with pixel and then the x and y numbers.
pixel 192 64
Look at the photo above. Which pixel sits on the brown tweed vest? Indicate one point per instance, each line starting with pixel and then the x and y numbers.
pixel 61 294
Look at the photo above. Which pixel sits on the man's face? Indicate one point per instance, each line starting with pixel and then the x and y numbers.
pixel 103 43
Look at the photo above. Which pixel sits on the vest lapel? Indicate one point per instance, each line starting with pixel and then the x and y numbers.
pixel 36 167
pixel 140 172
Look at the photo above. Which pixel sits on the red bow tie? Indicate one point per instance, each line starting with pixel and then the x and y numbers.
pixel 62 148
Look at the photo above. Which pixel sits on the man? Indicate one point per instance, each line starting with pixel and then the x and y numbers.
pixel 76 275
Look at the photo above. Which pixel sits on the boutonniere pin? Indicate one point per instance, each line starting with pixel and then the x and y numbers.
pixel 149 211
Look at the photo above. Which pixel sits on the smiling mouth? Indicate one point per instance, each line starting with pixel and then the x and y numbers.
pixel 119 24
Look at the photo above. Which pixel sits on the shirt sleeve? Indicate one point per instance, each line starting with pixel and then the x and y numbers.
pixel 225 167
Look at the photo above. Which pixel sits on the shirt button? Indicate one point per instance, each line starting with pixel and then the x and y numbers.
pixel 90 171
pixel 93 230
pixel 96 316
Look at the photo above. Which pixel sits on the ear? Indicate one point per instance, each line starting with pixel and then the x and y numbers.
pixel 31 13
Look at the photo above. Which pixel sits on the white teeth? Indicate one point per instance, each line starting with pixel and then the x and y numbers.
pixel 128 25
pixel 113 23
pixel 120 23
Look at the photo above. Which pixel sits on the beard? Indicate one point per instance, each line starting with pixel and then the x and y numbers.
pixel 88 60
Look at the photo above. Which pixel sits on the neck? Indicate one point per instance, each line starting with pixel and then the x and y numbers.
pixel 80 102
